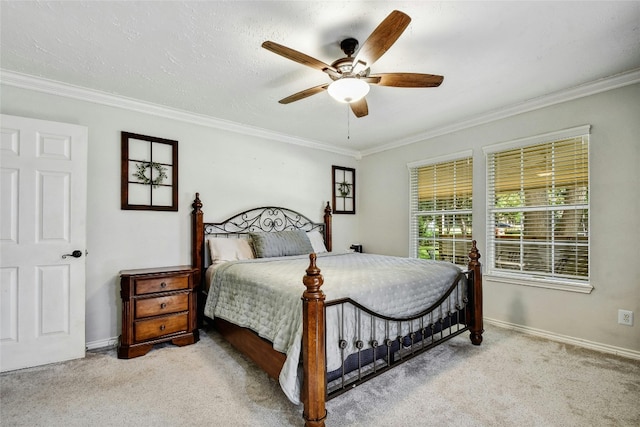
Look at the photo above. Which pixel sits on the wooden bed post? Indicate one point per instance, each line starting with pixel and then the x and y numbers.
pixel 474 318
pixel 328 238
pixel 197 237
pixel 313 347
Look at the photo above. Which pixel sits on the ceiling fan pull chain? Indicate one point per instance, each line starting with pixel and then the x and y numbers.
pixel 348 124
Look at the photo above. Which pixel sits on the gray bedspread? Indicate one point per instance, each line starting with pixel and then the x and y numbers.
pixel 265 295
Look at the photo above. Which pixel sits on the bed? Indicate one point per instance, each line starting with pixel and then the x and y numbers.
pixel 322 322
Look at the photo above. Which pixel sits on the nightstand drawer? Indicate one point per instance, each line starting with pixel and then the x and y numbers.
pixel 161 284
pixel 153 328
pixel 161 305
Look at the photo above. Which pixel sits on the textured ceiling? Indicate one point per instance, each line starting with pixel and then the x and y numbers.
pixel 206 57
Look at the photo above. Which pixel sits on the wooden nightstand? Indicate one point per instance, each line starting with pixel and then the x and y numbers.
pixel 158 305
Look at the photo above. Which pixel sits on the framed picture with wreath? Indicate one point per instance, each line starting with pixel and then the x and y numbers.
pixel 344 190
pixel 149 173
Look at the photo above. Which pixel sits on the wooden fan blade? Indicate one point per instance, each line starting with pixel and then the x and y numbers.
pixel 304 94
pixel 372 80
pixel 298 57
pixel 359 108
pixel 382 38
pixel 408 80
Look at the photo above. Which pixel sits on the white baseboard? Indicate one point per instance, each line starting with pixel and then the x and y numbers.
pixel 102 344
pixel 605 348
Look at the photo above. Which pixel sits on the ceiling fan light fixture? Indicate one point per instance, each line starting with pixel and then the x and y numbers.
pixel 348 89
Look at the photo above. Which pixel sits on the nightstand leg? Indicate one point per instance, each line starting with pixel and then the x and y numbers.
pixel 129 352
pixel 186 340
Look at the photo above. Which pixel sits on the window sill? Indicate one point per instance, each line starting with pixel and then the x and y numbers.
pixel 560 285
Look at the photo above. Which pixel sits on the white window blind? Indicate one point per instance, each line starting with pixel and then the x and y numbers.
pixel 441 210
pixel 538 207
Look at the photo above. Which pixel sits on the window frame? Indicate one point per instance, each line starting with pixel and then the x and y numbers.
pixel 414 213
pixel 132 185
pixel 530 278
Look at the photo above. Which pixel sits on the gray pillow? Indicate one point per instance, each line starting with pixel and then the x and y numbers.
pixel 281 243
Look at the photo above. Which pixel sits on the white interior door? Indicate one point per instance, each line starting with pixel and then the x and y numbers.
pixel 42 218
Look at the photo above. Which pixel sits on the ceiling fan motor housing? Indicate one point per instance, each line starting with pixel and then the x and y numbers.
pixel 345 65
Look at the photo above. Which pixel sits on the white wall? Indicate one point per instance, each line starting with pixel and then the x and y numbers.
pixel 232 172
pixel 615 215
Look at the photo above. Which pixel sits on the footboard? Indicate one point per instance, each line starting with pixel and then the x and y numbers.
pixel 371 343
pixel 459 310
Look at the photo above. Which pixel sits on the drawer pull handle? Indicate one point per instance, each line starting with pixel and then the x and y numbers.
pixel 163 305
pixel 162 327
pixel 163 285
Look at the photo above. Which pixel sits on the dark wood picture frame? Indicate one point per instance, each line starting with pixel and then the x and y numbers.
pixel 344 190
pixel 149 173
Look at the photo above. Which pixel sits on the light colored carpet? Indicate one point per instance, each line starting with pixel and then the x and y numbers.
pixel 511 380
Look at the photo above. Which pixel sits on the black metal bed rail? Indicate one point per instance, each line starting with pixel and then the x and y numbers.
pixel 378 342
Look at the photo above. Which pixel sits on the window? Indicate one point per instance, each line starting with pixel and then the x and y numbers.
pixel 441 203
pixel 538 209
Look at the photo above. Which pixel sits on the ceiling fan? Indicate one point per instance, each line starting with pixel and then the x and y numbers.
pixel 352 75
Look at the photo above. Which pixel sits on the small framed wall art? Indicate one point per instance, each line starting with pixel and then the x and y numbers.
pixel 149 173
pixel 344 190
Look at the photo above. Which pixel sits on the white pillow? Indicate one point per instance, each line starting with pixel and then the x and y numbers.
pixel 317 241
pixel 224 249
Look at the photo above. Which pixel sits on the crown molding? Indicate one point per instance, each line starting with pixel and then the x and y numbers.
pixel 53 87
pixel 39 84
pixel 587 89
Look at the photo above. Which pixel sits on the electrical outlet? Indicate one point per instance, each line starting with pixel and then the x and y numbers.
pixel 625 317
